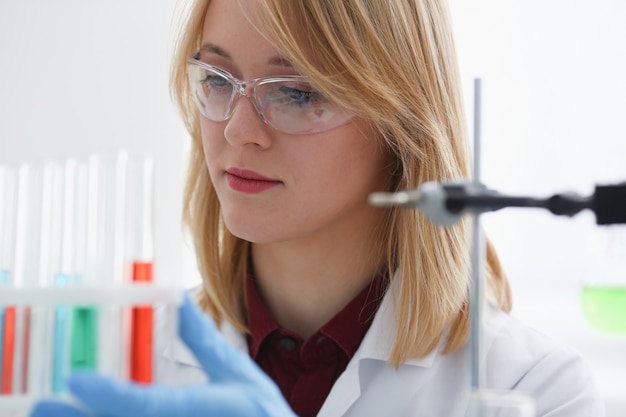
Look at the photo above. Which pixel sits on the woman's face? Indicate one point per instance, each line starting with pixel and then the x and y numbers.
pixel 273 186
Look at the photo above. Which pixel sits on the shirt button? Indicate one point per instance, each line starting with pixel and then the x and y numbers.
pixel 287 343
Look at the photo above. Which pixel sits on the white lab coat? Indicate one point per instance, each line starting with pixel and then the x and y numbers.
pixel 516 357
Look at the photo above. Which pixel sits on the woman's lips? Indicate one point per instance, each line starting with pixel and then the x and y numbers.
pixel 249 182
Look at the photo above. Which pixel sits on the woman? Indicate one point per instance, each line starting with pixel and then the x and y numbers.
pixel 351 310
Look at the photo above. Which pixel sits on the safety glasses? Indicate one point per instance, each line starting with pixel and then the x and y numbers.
pixel 289 104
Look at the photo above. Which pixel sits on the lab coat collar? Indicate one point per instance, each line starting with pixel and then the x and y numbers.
pixel 379 340
pixel 374 353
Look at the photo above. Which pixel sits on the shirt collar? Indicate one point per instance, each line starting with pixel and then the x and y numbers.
pixel 341 329
pixel 377 343
pixel 260 322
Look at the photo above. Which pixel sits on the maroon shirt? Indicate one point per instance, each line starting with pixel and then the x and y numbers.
pixel 305 370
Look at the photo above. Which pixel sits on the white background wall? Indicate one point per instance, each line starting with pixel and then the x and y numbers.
pixel 79 77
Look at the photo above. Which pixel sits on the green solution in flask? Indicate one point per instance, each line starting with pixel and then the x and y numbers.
pixel 604 298
pixel 605 307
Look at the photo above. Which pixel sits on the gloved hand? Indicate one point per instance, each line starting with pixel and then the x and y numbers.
pixel 237 387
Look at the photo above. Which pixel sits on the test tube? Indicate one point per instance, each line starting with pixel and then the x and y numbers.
pixel 27 275
pixel 141 227
pixel 83 319
pixel 8 350
pixel 107 177
pixel 54 199
pixel 8 190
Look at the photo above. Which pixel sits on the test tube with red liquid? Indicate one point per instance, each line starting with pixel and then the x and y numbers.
pixel 142 317
pixel 8 191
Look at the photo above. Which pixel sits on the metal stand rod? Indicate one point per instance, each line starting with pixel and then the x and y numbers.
pixel 476 306
pixel 477 256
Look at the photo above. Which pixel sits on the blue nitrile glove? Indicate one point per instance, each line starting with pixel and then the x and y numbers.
pixel 237 387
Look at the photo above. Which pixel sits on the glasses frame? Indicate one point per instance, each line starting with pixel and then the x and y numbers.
pixel 248 88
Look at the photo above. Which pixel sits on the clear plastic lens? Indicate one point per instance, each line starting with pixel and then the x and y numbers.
pixel 213 93
pixel 299 95
pixel 288 104
pixel 294 107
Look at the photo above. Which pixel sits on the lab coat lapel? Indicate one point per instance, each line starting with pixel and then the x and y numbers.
pixel 368 370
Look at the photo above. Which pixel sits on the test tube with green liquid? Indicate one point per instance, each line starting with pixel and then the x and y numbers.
pixel 84 355
pixel 84 327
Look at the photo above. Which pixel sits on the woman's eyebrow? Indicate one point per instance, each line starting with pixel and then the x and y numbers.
pixel 279 61
pixel 276 60
pixel 214 49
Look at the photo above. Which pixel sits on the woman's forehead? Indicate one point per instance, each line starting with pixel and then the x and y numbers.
pixel 232 31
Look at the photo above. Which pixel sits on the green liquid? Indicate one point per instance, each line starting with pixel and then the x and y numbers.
pixel 605 308
pixel 84 339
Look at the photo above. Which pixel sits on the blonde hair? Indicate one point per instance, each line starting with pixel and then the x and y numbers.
pixel 393 63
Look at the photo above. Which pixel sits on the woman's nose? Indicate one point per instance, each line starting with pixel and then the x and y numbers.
pixel 245 126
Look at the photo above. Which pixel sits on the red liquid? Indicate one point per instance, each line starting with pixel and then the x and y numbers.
pixel 8 350
pixel 25 345
pixel 141 331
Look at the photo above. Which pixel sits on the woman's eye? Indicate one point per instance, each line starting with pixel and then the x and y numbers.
pixel 215 82
pixel 300 97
